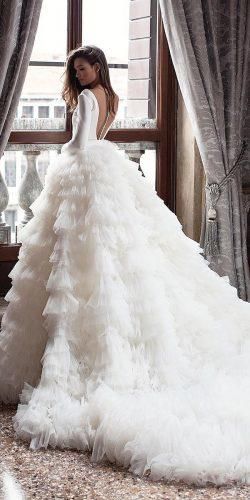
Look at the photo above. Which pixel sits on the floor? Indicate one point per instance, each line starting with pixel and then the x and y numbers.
pixel 68 474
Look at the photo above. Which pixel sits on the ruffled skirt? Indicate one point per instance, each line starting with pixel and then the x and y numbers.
pixel 118 338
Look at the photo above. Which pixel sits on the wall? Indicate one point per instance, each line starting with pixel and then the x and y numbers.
pixel 190 176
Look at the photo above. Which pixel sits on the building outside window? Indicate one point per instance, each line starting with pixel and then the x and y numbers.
pixel 59 111
pixel 43 111
pixel 27 111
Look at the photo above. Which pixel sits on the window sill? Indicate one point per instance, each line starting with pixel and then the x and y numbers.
pixel 9 253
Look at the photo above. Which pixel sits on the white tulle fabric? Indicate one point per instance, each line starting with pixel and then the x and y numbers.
pixel 118 338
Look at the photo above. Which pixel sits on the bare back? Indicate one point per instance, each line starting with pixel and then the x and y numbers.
pixel 105 119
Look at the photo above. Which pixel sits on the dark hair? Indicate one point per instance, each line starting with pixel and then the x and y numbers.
pixel 72 87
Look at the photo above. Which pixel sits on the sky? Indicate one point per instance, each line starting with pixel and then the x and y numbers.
pixel 105 24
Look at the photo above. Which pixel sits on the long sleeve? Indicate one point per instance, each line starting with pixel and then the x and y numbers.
pixel 81 129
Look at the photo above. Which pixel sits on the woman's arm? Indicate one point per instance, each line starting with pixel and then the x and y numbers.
pixel 81 131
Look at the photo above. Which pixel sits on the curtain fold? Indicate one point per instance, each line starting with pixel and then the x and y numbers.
pixel 18 26
pixel 209 42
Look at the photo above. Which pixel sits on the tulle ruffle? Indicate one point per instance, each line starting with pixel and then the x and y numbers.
pixel 118 336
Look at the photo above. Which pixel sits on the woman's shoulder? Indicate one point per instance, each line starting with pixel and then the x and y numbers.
pixel 89 94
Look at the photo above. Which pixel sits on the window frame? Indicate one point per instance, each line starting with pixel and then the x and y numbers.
pixel 165 133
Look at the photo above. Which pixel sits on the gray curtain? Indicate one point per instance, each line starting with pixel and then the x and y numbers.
pixel 18 26
pixel 209 42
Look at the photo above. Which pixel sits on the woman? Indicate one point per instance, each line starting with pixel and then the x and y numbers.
pixel 118 337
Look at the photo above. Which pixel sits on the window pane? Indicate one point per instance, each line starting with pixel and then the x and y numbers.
pixel 51 37
pixel 27 112
pixel 59 111
pixel 128 38
pixel 43 111
pixel 44 79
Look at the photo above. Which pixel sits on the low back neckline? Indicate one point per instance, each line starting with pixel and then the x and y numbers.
pixel 107 114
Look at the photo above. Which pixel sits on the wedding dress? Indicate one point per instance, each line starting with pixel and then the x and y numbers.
pixel 118 338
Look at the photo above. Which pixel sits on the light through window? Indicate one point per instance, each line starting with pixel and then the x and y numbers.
pixel 128 38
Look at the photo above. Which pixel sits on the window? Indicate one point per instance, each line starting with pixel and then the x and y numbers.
pixel 59 111
pixel 44 76
pixel 27 112
pixel 43 111
pixel 142 74
pixel 130 45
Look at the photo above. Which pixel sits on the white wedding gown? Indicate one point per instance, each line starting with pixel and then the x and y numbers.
pixel 118 336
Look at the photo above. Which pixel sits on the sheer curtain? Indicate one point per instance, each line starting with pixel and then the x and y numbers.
pixel 209 42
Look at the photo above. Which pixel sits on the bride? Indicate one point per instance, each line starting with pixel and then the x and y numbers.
pixel 118 338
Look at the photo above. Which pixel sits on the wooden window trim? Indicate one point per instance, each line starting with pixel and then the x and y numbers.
pixel 164 135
